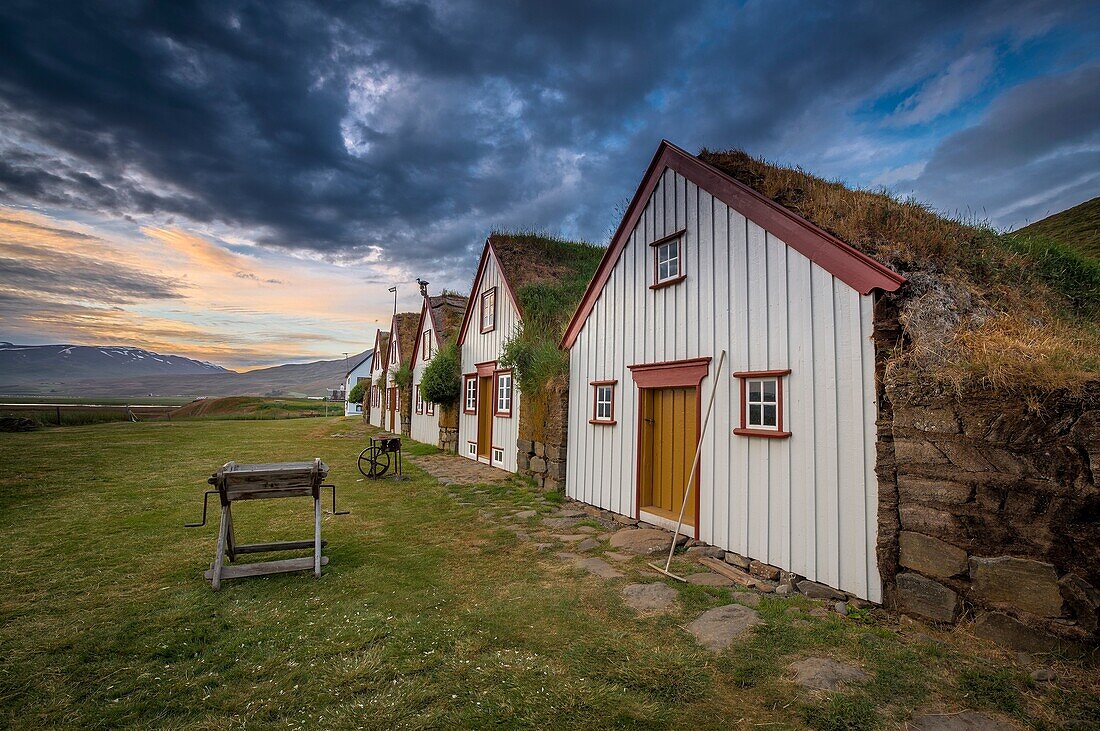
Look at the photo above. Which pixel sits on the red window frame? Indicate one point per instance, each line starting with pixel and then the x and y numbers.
pixel 465 393
pixel 496 392
pixel 481 310
pixel 595 390
pixel 678 237
pixel 755 431
pixel 429 408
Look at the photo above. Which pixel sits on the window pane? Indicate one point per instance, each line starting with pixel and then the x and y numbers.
pixel 769 390
pixel 754 415
pixel 754 391
pixel 769 415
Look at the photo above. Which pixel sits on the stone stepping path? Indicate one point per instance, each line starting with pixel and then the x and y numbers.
pixel 717 628
pixel 965 721
pixel 644 541
pixel 654 598
pixel 708 579
pixel 454 470
pixel 823 673
pixel 595 566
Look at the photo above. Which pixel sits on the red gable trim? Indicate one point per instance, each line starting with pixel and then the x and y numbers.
pixel 854 268
pixel 475 299
pixel 419 334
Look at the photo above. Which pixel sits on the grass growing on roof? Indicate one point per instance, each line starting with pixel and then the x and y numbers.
pixel 981 308
pixel 1077 227
pixel 551 275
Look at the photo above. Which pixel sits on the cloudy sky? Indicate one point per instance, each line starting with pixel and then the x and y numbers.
pixel 241 182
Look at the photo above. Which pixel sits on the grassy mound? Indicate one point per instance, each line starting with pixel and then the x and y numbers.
pixel 1077 228
pixel 253 407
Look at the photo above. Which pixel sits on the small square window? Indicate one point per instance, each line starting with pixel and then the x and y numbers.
pixel 489 310
pixel 603 402
pixel 471 449
pixel 762 403
pixel 498 454
pixel 504 393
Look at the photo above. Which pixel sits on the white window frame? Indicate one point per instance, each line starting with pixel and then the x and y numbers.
pixel 504 384
pixel 489 314
pixel 498 455
pixel 470 403
pixel 761 403
pixel 598 389
pixel 426 345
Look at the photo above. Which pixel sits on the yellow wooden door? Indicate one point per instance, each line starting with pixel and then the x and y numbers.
pixel 484 416
pixel 669 429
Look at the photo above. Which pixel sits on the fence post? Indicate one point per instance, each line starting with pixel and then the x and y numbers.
pixel 59 416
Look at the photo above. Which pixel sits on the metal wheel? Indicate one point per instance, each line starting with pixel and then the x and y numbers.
pixel 373 462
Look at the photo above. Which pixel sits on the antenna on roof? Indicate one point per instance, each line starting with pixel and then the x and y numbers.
pixel 423 287
pixel 394 290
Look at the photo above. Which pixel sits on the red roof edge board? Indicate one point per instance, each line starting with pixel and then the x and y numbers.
pixel 475 296
pixel 854 268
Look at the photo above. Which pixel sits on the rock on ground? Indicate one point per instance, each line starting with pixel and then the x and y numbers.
pixel 708 579
pixel 600 568
pixel 965 721
pixel 823 673
pixel 655 597
pixel 587 545
pixel 643 540
pixel 716 629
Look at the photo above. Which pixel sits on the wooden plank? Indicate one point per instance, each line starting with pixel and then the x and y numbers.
pixel 723 568
pixel 277 546
pixel 265 568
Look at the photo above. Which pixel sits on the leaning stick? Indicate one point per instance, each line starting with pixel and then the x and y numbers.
pixel 694 467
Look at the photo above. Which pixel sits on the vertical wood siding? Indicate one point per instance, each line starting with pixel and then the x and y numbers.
pixel 483 347
pixel 377 364
pixel 806 503
pixel 425 427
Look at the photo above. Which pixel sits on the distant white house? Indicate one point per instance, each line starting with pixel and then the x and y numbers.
pixel 359 372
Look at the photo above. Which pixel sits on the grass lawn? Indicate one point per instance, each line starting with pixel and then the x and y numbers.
pixel 429 615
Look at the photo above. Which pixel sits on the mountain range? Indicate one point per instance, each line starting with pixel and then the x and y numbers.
pixel 82 370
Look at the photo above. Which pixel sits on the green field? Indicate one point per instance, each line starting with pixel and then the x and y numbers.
pixel 430 614
pixel 86 411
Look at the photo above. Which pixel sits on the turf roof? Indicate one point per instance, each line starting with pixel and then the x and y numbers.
pixel 980 306
pixel 1077 228
pixel 447 311
pixel 548 275
pixel 404 325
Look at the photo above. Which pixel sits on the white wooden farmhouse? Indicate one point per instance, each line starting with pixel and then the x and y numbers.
pixel 358 372
pixel 488 417
pixel 402 344
pixel 440 317
pixel 377 405
pixel 702 263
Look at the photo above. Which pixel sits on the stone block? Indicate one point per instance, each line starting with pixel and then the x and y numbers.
pixel 966 457
pixel 540 449
pixel 552 485
pixel 940 420
pixel 815 590
pixel 525 446
pixel 916 452
pixel 762 570
pixel 1013 634
pixel 1019 582
pixel 538 464
pixel 921 596
pixel 736 559
pixel 555 451
pixel 933 490
pixel 1083 598
pixel 523 460
pixel 556 469
pixel 931 556
pixel 930 521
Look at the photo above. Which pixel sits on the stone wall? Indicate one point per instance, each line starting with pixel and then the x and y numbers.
pixel 989 509
pixel 541 447
pixel 448 429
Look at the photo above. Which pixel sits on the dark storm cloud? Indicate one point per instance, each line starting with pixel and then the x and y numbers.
pixel 415 127
pixel 1036 152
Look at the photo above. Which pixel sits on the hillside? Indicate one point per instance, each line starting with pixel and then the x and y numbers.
pixel 20 363
pixel 1077 228
pixel 296 379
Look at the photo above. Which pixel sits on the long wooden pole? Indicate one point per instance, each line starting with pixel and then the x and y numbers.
pixel 694 467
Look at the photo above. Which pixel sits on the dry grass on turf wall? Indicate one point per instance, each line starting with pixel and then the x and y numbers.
pixel 428 616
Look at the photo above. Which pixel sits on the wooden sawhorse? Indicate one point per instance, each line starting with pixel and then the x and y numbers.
pixel 235 482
